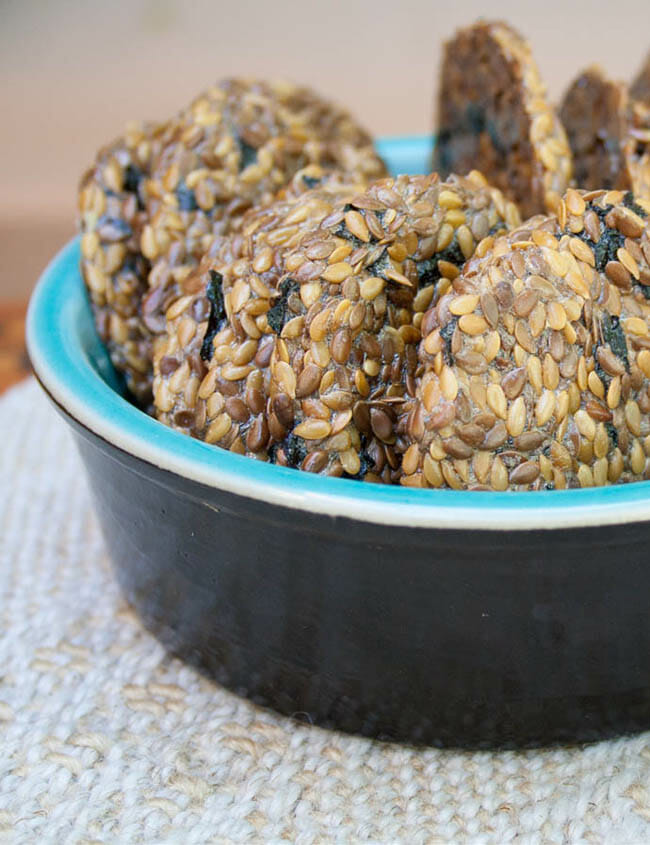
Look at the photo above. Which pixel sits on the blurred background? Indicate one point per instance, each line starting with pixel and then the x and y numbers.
pixel 74 71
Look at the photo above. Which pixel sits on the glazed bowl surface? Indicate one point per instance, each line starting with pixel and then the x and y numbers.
pixel 442 617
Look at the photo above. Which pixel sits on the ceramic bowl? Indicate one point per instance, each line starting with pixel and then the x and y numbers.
pixel 429 616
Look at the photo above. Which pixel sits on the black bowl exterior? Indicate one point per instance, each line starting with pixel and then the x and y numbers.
pixel 441 637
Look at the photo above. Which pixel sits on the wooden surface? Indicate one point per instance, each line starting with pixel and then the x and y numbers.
pixel 14 364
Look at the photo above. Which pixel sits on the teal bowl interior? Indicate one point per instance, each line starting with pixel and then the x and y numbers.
pixel 74 368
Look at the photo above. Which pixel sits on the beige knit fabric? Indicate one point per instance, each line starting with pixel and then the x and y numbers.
pixel 103 738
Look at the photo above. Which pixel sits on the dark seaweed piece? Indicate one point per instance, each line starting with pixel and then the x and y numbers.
pixel 614 335
pixel 497 228
pixel 132 178
pixel 446 333
pixel 628 202
pixel 427 269
pixel 602 375
pixel 475 118
pixel 217 317
pixel 367 464
pixel 247 154
pixel 611 240
pixel 381 266
pixel 113 229
pixel 346 234
pixel 497 141
pixel 342 230
pixel 186 199
pixel 645 289
pixel 294 450
pixel 509 459
pixel 601 210
pixel 130 264
pixel 311 181
pixel 605 250
pixel 612 433
pixel 279 314
pixel 453 253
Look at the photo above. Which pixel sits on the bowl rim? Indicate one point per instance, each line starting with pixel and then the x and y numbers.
pixel 66 355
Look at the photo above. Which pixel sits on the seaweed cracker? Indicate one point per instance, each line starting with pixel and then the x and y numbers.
pixel 609 133
pixel 546 381
pixel 493 115
pixel 324 294
pixel 154 201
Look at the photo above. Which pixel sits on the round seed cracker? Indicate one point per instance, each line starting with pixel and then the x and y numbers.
pixel 157 198
pixel 297 341
pixel 555 392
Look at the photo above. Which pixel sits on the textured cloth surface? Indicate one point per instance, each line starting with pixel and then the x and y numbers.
pixel 104 738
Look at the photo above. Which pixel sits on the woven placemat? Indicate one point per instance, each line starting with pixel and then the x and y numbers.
pixel 104 738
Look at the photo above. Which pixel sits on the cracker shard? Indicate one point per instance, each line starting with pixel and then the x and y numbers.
pixel 493 115
pixel 609 132
pixel 280 313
